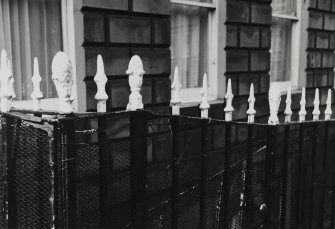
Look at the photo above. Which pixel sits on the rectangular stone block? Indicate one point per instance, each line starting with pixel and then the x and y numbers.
pixel 313 60
pixel 162 31
pixel 309 79
pixel 249 36
pixel 245 81
pixel 322 40
pixel 152 6
pixel 91 90
pixel 232 36
pixel 237 11
pixel 328 59
pixel 329 21
pixel 311 39
pixel 260 61
pixel 315 20
pixel 146 91
pixel 115 60
pixel 266 38
pixel 320 78
pixel 237 60
pixel 155 60
pixel 264 83
pixel 94 30
pixel 107 4
pixel 134 30
pixel 324 5
pixel 162 90
pixel 120 92
pixel 261 14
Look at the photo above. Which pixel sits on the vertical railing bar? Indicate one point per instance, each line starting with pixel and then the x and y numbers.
pixel 285 176
pixel 298 188
pixel 311 200
pixel 269 175
pixel 175 170
pixel 102 124
pixel 248 179
pixel 70 171
pixel 203 173
pixel 12 217
pixel 57 202
pixel 225 184
pixel 325 171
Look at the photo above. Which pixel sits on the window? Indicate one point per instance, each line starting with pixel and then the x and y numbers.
pixel 35 28
pixel 193 45
pixel 284 50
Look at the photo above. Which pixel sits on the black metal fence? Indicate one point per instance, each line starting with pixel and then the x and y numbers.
pixel 144 170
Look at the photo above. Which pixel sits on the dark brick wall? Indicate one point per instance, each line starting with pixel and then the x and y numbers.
pixel 118 29
pixel 321 46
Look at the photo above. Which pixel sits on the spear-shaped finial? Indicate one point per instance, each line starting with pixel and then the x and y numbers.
pixel 251 100
pixel 274 102
pixel 175 87
pixel 7 82
pixel 229 100
pixel 36 95
pixel 135 72
pixel 204 106
pixel 316 112
pixel 303 112
pixel 288 111
pixel 328 111
pixel 101 80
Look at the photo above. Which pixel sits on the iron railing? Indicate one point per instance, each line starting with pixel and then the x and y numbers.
pixel 144 170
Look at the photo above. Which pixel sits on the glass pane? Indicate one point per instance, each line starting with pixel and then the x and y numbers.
pixel 284 7
pixel 189 43
pixel 281 49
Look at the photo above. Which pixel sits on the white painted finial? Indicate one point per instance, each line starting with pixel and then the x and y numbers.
pixel 101 80
pixel 229 100
pixel 328 111
pixel 204 106
pixel 135 72
pixel 316 112
pixel 251 100
pixel 61 68
pixel 175 87
pixel 303 112
pixel 274 102
pixel 36 95
pixel 7 83
pixel 288 111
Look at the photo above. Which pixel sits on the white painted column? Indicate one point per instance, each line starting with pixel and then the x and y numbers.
pixel 36 95
pixel 316 112
pixel 7 92
pixel 204 106
pixel 251 100
pixel 101 80
pixel 229 100
pixel 328 111
pixel 303 112
pixel 274 102
pixel 288 111
pixel 135 72
pixel 175 88
pixel 62 77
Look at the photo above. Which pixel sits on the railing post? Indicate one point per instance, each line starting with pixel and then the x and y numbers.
pixel 303 112
pixel 328 111
pixel 251 100
pixel 101 80
pixel 229 100
pixel 7 92
pixel 62 77
pixel 36 95
pixel 135 72
pixel 203 173
pixel 274 102
pixel 316 111
pixel 204 106
pixel 175 87
pixel 138 164
pixel 288 111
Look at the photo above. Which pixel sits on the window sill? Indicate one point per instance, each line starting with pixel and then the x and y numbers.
pixel 196 104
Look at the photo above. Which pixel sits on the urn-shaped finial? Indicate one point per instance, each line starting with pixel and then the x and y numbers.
pixel 274 102
pixel 135 72
pixel 204 106
pixel 36 95
pixel 62 77
pixel 175 88
pixel 229 102
pixel 328 111
pixel 101 80
pixel 251 100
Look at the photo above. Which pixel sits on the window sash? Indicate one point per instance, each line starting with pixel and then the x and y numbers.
pixel 195 3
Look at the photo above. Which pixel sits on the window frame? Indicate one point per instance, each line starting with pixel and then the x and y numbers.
pixel 299 27
pixel 191 95
pixel 69 47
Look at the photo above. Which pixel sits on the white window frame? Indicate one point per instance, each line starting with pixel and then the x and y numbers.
pixel 297 51
pixel 191 95
pixel 69 47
